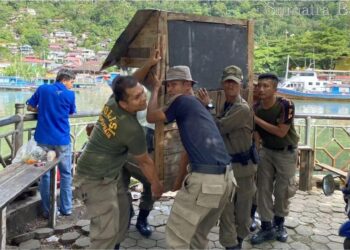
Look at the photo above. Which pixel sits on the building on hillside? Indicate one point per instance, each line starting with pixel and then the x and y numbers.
pixel 26 49
pixel 87 53
pixel 102 54
pixel 35 61
pixel 89 67
pixel 62 34
pixel 12 47
pixel 72 61
pixel 56 56
pixel 55 47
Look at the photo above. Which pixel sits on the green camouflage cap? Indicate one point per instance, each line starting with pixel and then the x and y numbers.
pixel 232 72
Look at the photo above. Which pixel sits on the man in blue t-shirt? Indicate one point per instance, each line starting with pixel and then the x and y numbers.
pixel 54 103
pixel 210 182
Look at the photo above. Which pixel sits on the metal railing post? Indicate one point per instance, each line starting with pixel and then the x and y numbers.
pixel 308 131
pixel 19 107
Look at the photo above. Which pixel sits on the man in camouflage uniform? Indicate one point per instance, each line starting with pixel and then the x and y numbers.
pixel 274 117
pixel 235 123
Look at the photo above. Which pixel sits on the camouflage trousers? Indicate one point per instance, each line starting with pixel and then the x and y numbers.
pixel 132 170
pixel 235 219
pixel 197 208
pixel 276 177
pixel 108 207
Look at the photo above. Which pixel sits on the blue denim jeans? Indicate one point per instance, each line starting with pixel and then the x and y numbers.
pixel 64 152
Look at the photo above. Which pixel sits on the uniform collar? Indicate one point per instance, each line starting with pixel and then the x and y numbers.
pixel 228 105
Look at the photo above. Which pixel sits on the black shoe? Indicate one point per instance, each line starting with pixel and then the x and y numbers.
pixel 263 235
pixel 116 247
pixel 142 224
pixel 238 246
pixel 144 228
pixel 253 226
pixel 281 233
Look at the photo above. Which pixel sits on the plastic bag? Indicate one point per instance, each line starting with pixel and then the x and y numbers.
pixel 30 153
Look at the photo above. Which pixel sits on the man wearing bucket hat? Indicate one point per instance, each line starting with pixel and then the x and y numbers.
pixel 236 124
pixel 176 75
pixel 210 183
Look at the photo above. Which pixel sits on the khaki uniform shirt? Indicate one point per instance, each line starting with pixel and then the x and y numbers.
pixel 236 125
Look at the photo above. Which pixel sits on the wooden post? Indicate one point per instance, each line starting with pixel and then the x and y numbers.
pixel 19 107
pixel 306 168
pixel 162 41
pixel 3 228
pixel 250 87
pixel 53 197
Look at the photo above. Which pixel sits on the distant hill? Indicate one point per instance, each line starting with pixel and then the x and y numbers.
pixel 299 28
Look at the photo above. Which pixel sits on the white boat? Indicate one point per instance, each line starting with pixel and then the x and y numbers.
pixel 307 84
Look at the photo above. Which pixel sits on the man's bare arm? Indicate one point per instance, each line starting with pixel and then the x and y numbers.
pixel 257 140
pixel 280 130
pixel 31 108
pixel 148 169
pixel 154 113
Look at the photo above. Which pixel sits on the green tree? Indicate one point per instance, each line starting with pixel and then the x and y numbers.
pixel 25 70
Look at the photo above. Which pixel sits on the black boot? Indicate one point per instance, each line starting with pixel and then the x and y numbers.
pixel 238 246
pixel 281 232
pixel 116 247
pixel 267 232
pixel 253 226
pixel 142 224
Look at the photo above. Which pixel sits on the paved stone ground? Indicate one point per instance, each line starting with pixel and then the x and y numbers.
pixel 313 223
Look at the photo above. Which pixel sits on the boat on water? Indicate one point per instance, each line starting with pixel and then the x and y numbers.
pixel 313 84
pixel 14 83
pixel 81 81
pixel 307 85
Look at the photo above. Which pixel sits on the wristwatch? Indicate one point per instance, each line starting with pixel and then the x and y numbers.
pixel 210 106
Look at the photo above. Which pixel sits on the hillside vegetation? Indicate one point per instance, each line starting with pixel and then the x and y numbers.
pixel 305 30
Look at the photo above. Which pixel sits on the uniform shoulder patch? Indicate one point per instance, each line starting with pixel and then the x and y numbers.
pixel 109 122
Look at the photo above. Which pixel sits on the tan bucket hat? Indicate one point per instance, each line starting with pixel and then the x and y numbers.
pixel 180 72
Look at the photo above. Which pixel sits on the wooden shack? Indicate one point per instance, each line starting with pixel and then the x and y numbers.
pixel 206 44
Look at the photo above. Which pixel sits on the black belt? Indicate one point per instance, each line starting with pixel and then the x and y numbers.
pixel 209 169
pixel 289 148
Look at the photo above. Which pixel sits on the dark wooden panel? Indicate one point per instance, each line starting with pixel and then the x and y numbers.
pixel 206 19
pixel 207 48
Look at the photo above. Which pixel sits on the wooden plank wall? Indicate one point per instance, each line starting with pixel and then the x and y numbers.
pixel 143 44
pixel 172 154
